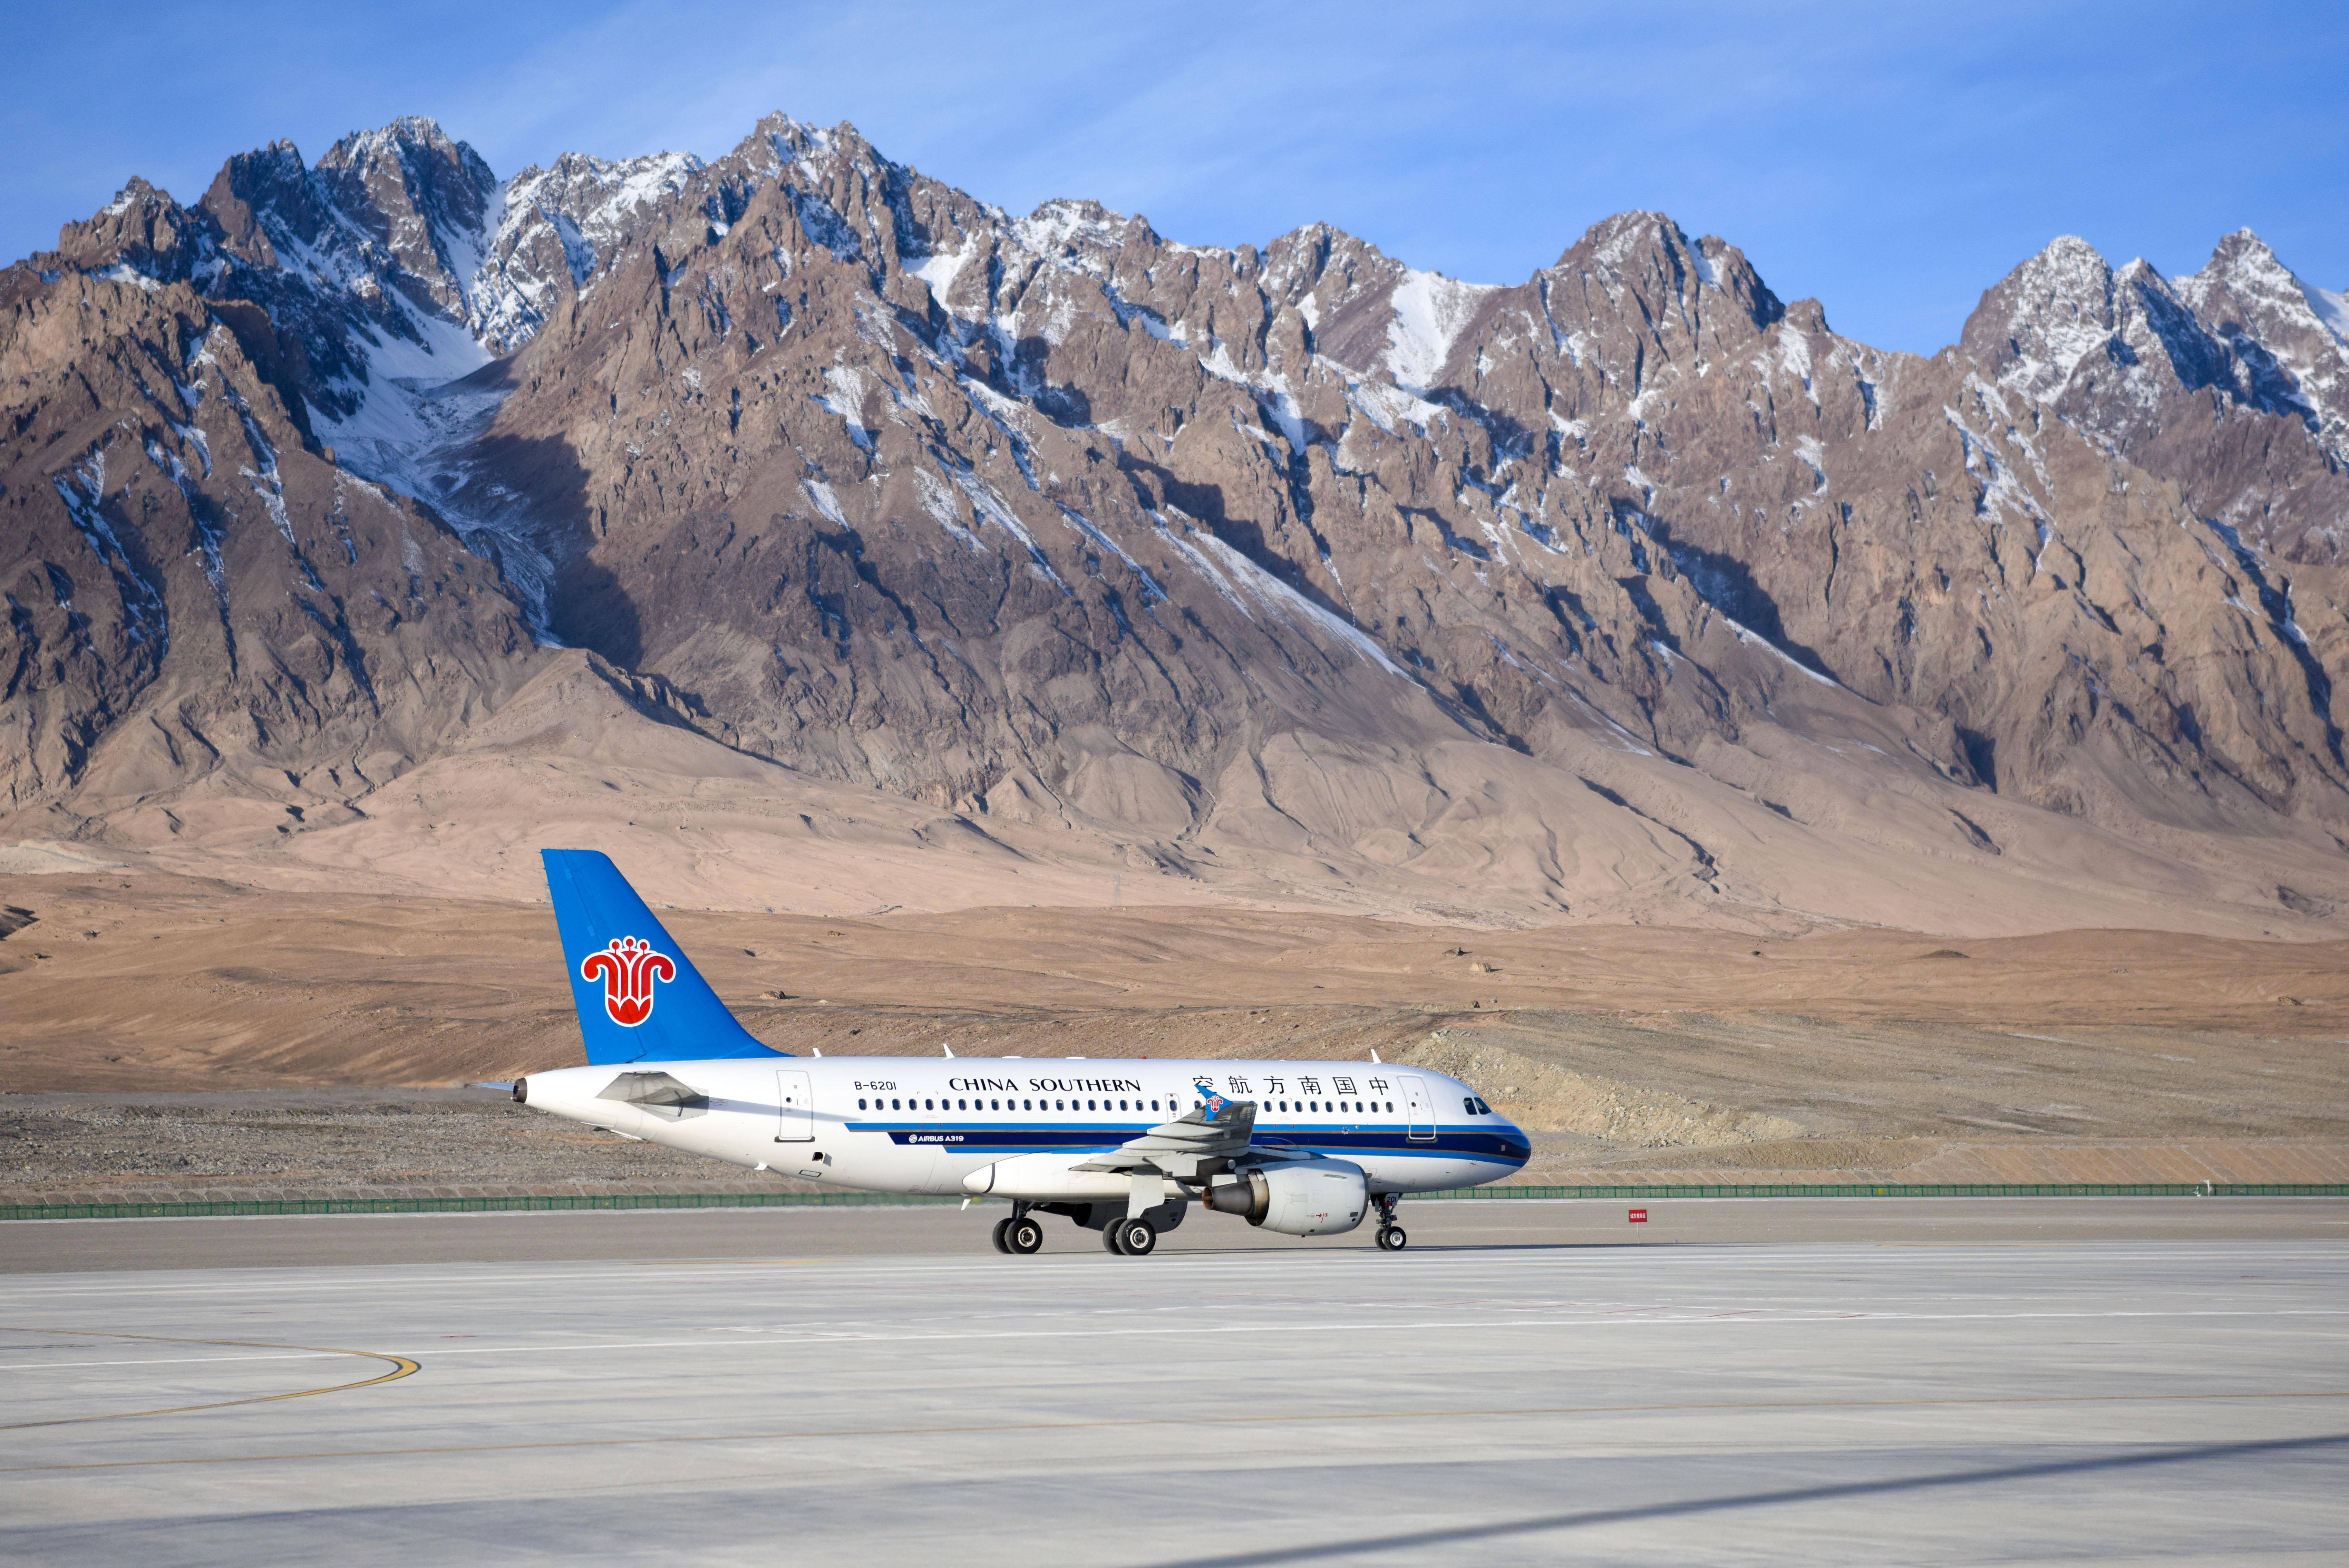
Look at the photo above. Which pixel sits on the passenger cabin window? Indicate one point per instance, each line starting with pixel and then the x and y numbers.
pixel 929 1105
pixel 860 1105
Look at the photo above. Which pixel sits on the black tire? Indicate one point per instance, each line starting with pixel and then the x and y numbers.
pixel 1111 1239
pixel 1391 1239
pixel 1000 1227
pixel 1136 1238
pixel 1022 1237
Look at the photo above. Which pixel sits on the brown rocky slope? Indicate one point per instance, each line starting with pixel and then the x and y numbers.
pixel 1285 574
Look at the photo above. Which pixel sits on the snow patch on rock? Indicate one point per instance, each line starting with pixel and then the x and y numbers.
pixel 1430 312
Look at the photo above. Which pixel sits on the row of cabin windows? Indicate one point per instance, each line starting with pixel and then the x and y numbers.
pixel 1334 1107
pixel 913 1105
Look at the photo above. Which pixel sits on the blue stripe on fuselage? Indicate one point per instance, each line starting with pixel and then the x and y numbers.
pixel 999 1138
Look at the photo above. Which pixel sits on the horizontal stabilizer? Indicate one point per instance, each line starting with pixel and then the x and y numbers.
pixel 652 1089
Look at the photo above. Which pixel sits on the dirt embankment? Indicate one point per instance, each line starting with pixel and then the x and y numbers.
pixel 1543 1098
pixel 2078 1056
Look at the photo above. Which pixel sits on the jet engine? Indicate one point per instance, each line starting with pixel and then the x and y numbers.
pixel 1301 1197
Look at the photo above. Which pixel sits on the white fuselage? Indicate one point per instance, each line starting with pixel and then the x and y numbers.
pixel 948 1125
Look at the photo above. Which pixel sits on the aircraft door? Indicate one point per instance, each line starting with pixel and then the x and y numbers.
pixel 795 1109
pixel 1420 1109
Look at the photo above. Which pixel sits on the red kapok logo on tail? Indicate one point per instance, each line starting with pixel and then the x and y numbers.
pixel 628 968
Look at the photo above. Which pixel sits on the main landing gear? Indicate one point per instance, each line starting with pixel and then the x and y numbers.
pixel 1018 1235
pixel 1128 1236
pixel 1391 1237
pixel 1131 1237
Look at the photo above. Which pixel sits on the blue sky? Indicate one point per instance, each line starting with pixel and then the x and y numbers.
pixel 1891 159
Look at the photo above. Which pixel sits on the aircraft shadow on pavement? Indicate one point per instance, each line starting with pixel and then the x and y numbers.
pixel 1588 1518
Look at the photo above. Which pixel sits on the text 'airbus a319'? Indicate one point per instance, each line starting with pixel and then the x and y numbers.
pixel 1121 1147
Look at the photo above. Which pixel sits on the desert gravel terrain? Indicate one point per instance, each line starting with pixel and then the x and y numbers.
pixel 184 1034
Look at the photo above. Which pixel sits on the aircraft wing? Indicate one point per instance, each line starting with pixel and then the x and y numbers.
pixel 1220 1131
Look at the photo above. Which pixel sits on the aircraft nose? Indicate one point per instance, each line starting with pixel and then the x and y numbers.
pixel 1515 1143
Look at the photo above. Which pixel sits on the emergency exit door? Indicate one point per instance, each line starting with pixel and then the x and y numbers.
pixel 1420 1110
pixel 794 1109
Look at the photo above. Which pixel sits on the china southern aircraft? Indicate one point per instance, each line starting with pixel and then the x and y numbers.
pixel 1119 1145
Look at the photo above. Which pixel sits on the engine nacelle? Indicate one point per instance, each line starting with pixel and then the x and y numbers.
pixel 1302 1197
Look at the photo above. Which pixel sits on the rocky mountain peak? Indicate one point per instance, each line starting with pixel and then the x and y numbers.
pixel 263 198
pixel 1617 241
pixel 2292 335
pixel 420 195
pixel 779 145
pixel 144 231
pixel 1649 254
pixel 560 228
pixel 1626 586
pixel 2037 323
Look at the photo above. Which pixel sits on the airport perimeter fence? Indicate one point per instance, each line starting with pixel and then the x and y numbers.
pixel 557 1202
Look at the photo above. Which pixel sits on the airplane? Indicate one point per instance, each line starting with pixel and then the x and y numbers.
pixel 1121 1146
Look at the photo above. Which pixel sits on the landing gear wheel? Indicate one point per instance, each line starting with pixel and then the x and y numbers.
pixel 1136 1238
pixel 1022 1236
pixel 1112 1239
pixel 1000 1227
pixel 1391 1239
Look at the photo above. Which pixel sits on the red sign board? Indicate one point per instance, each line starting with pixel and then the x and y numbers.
pixel 1639 1217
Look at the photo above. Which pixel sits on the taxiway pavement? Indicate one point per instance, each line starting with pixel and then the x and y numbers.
pixel 846 1390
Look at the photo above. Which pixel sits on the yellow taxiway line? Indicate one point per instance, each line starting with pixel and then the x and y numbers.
pixel 401 1367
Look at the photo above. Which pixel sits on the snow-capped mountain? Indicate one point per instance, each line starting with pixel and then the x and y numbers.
pixel 2193 378
pixel 1627 581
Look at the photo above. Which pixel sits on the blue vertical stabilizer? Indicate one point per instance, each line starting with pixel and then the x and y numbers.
pixel 639 999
